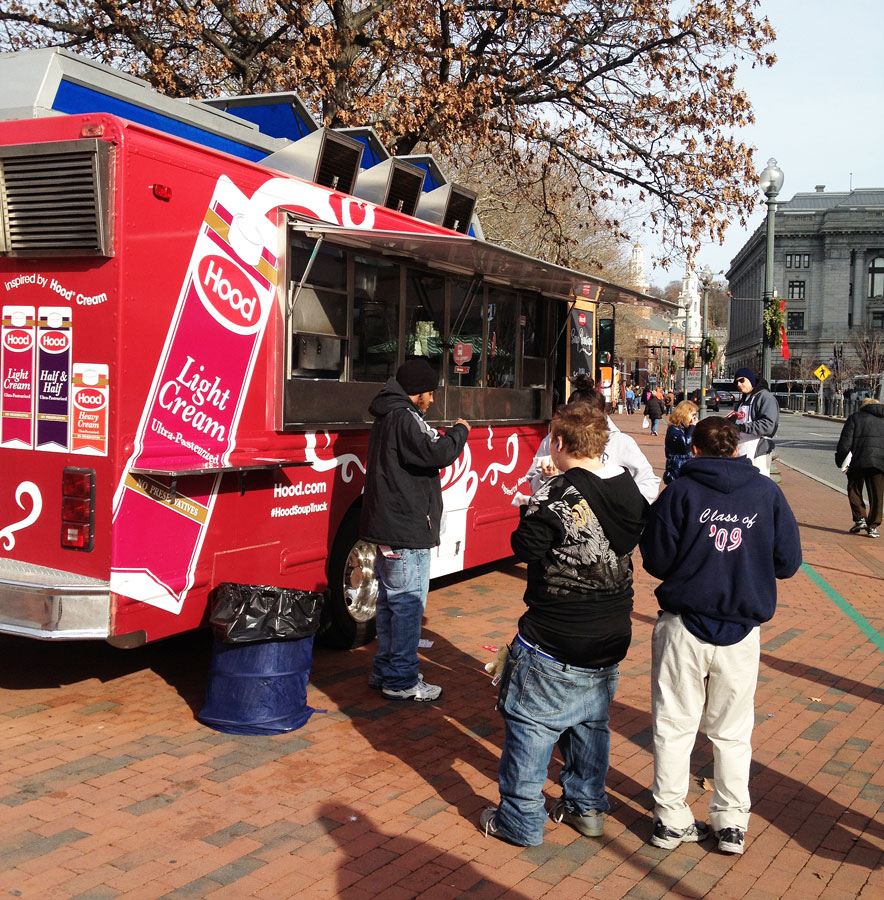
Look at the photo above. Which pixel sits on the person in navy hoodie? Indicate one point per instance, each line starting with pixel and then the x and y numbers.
pixel 718 538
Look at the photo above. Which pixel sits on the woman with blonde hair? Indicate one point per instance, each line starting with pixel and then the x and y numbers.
pixel 678 438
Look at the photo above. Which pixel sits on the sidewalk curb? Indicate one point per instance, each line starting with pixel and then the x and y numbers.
pixel 828 484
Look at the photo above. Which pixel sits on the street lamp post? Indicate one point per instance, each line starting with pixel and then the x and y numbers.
pixel 706 280
pixel 684 367
pixel 669 382
pixel 770 180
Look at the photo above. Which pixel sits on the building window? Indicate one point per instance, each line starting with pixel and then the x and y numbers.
pixel 806 260
pixel 795 321
pixel 788 260
pixel 876 277
pixel 796 290
pixel 878 319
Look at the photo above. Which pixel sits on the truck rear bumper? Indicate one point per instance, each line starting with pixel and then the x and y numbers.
pixel 51 604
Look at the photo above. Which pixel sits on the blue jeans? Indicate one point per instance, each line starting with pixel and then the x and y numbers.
pixel 544 702
pixel 403 583
pixel 654 424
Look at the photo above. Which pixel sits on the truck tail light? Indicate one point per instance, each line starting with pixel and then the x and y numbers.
pixel 77 508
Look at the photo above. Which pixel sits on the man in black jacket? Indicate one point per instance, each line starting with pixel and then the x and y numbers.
pixel 401 513
pixel 863 437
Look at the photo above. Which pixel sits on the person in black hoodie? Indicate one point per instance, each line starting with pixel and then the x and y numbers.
pixel 401 513
pixel 718 538
pixel 558 682
pixel 757 417
pixel 863 438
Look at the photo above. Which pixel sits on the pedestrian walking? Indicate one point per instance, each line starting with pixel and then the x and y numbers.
pixel 654 411
pixel 401 513
pixel 630 400
pixel 718 538
pixel 863 439
pixel 562 670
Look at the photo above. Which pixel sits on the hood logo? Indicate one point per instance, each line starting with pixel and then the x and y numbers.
pixel 228 294
pixel 18 339
pixel 89 398
pixel 54 341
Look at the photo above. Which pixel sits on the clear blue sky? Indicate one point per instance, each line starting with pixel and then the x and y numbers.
pixel 819 111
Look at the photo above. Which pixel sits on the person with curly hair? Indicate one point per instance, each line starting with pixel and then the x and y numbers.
pixel 558 682
pixel 678 438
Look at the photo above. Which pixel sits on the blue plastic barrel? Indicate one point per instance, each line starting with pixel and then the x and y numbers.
pixel 258 688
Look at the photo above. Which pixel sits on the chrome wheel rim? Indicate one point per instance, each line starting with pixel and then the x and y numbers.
pixel 360 587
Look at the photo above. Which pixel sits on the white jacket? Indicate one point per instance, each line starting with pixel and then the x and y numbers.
pixel 621 450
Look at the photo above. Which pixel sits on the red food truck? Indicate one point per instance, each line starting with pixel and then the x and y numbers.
pixel 196 313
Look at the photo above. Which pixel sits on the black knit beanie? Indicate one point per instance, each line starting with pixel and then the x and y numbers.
pixel 417 376
pixel 748 374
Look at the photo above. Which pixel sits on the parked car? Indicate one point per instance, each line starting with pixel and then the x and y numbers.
pixel 711 399
pixel 726 398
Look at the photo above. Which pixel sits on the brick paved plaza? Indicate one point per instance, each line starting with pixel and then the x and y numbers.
pixel 111 788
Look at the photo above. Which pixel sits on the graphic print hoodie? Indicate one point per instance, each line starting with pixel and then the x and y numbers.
pixel 718 538
pixel 577 535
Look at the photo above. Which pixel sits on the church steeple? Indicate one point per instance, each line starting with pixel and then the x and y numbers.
pixel 690 296
pixel 638 276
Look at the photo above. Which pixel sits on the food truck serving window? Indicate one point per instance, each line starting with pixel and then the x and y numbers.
pixel 354 316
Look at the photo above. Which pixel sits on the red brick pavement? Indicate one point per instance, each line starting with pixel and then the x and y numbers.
pixel 110 788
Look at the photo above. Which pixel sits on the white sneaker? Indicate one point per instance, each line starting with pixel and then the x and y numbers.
pixel 730 840
pixel 375 682
pixel 420 691
pixel 669 838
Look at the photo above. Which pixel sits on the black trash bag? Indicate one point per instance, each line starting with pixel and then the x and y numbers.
pixel 244 613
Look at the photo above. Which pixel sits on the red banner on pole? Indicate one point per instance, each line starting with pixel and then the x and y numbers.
pixel 784 347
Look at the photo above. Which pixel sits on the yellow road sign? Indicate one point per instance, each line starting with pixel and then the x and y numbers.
pixel 822 372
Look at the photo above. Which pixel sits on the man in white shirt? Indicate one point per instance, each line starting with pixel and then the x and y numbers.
pixel 620 450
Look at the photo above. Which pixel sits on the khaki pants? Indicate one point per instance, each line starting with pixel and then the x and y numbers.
pixel 694 683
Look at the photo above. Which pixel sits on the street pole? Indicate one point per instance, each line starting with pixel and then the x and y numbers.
pixel 684 367
pixel 669 382
pixel 706 280
pixel 770 180
pixel 660 365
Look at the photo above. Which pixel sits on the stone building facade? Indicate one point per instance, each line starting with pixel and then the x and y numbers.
pixel 829 268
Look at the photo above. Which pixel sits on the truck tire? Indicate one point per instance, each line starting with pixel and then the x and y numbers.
pixel 348 614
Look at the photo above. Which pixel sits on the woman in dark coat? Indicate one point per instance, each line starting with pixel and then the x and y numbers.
pixel 654 410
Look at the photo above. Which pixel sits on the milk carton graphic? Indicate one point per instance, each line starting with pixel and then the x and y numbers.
pixel 17 343
pixel 53 378
pixel 89 409
pixel 190 419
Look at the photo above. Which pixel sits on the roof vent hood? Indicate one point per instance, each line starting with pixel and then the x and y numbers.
pixel 324 157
